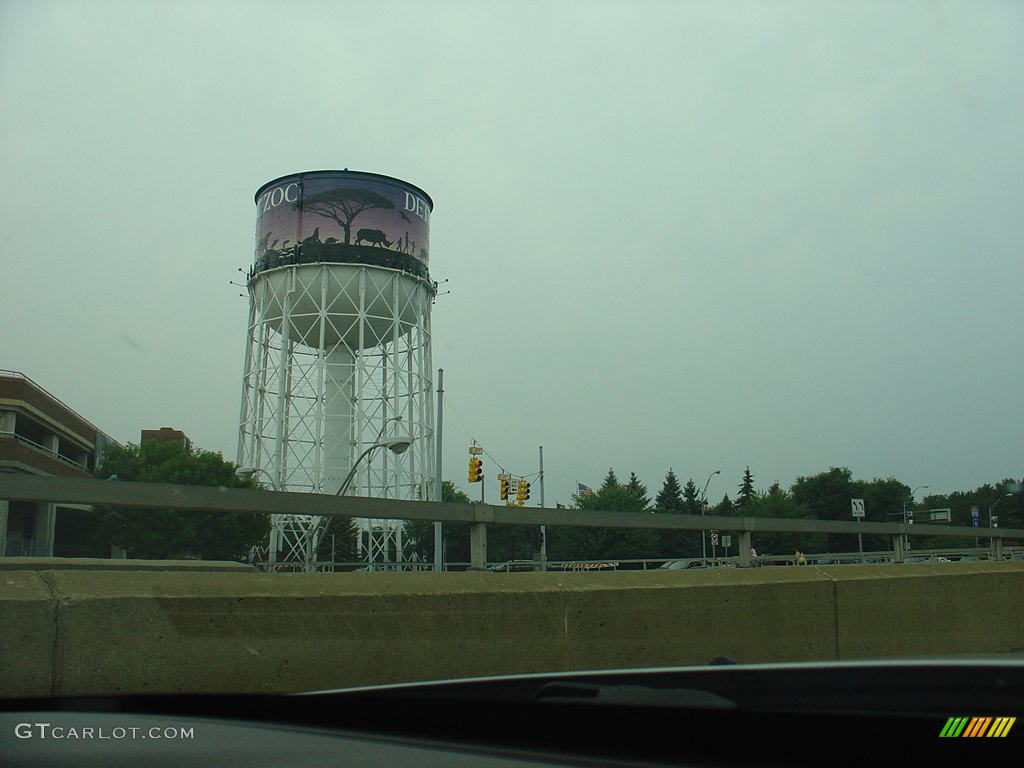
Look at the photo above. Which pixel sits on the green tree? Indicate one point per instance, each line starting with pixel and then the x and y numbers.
pixel 1004 499
pixel 777 503
pixel 567 543
pixel 691 498
pixel 746 493
pixel 671 500
pixel 161 533
pixel 610 480
pixel 338 541
pixel 883 502
pixel 639 490
pixel 724 507
pixel 670 497
pixel 419 534
pixel 826 496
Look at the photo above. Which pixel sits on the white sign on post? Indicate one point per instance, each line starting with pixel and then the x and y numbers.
pixel 858 507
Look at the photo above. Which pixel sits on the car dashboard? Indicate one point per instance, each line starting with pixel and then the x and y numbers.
pixel 715 715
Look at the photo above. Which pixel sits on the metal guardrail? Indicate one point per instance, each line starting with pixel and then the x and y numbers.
pixel 187 497
pixel 169 496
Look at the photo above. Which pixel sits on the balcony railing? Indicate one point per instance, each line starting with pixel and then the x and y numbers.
pixel 43 449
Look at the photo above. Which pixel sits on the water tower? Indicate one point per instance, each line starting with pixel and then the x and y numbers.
pixel 337 358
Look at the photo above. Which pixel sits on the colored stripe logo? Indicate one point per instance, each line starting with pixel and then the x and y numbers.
pixel 976 727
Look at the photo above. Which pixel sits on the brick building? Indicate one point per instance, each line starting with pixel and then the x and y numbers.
pixel 41 435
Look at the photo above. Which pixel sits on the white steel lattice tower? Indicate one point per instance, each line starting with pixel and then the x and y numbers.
pixel 337 357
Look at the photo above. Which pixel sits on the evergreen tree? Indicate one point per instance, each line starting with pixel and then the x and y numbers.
pixel 670 497
pixel 671 500
pixel 639 490
pixel 746 490
pixel 566 543
pixel 610 480
pixel 724 507
pixel 691 498
pixel 338 541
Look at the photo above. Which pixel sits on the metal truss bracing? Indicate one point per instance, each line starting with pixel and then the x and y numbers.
pixel 337 361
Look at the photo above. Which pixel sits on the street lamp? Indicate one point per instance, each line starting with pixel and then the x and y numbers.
pixel 906 538
pixel 397 445
pixel 703 505
pixel 394 444
pixel 245 473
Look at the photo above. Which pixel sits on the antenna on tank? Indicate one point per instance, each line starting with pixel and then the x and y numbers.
pixel 443 293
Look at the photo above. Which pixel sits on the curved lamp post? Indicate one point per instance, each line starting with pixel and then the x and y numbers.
pixel 397 445
pixel 703 505
pixel 245 473
pixel 394 444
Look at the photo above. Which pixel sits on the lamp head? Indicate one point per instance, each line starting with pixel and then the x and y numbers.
pixel 244 473
pixel 397 445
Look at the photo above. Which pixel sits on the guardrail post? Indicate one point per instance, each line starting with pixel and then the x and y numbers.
pixel 744 537
pixel 477 546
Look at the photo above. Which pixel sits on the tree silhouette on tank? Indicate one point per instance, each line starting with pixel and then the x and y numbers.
pixel 343 205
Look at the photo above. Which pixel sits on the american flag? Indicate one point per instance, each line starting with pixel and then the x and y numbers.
pixel 583 490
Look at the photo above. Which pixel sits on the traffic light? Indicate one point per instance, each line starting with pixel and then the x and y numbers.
pixel 505 485
pixel 523 492
pixel 476 471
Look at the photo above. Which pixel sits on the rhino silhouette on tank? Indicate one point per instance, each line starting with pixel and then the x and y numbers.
pixel 373 237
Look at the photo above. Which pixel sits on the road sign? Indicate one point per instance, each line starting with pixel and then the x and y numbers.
pixel 714 538
pixel 940 515
pixel 727 541
pixel 858 507
pixel 975 512
pixel 475 450
pixel 974 522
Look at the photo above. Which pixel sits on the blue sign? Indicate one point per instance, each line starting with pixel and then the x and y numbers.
pixel 974 512
pixel 974 522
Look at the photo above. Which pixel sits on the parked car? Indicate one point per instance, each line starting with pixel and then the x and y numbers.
pixel 675 565
pixel 514 565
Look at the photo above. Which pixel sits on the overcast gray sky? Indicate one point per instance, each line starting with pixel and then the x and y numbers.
pixel 693 235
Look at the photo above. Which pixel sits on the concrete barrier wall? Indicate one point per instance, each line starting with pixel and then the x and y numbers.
pixel 67 632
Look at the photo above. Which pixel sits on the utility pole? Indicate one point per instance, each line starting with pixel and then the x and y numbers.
pixel 703 509
pixel 438 483
pixel 543 529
